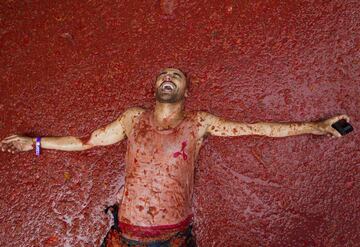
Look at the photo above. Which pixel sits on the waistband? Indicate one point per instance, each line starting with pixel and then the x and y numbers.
pixel 162 231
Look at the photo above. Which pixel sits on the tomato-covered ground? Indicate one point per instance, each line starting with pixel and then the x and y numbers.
pixel 69 67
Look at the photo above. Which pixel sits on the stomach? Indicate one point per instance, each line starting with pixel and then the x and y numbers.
pixel 155 203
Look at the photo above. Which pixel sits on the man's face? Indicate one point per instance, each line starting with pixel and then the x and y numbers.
pixel 170 86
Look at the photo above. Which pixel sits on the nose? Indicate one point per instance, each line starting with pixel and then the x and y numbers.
pixel 167 78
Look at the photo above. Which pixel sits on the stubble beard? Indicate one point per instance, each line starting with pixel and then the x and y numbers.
pixel 167 98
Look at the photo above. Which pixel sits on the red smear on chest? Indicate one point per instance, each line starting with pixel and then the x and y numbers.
pixel 182 151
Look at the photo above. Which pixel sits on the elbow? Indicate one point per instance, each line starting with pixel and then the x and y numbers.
pixel 86 142
pixel 86 146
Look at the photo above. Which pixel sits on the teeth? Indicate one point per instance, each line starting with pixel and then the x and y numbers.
pixel 166 85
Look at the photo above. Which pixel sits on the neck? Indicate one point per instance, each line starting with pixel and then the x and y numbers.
pixel 168 115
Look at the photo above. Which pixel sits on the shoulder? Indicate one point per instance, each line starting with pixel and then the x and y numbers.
pixel 129 117
pixel 205 117
pixel 203 120
pixel 133 112
pixel 195 116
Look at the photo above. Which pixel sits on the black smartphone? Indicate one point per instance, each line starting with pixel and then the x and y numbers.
pixel 342 127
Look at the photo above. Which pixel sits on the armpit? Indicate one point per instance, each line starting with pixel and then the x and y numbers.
pixel 202 123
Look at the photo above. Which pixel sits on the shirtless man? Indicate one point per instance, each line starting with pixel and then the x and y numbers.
pixel 163 144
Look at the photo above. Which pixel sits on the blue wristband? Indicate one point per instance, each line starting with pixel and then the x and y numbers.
pixel 38 146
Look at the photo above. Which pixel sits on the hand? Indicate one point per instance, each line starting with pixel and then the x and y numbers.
pixel 325 126
pixel 15 143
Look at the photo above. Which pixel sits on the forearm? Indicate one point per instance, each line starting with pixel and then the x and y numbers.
pixel 66 143
pixel 286 129
pixel 231 128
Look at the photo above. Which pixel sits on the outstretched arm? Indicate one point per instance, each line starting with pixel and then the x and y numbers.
pixel 107 135
pixel 218 126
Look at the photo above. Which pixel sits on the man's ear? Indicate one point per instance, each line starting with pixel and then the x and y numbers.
pixel 186 93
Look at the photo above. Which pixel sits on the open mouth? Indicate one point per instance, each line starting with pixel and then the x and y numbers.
pixel 167 86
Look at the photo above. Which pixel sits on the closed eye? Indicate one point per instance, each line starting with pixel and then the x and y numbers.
pixel 174 74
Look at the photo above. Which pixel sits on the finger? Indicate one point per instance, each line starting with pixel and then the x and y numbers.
pixel 13 148
pixel 6 141
pixel 7 148
pixel 4 147
pixel 346 117
pixel 335 133
pixel 10 137
pixel 10 140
